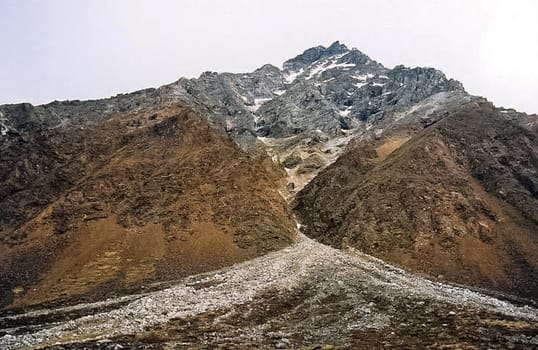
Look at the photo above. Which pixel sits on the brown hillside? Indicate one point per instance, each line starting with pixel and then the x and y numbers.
pixel 459 199
pixel 139 197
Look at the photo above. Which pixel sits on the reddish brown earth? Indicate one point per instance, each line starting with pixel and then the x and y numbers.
pixel 458 200
pixel 131 199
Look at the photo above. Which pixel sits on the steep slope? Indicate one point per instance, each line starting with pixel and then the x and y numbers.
pixel 124 199
pixel 457 199
pixel 310 108
pixel 342 90
pixel 325 90
pixel 116 165
pixel 307 110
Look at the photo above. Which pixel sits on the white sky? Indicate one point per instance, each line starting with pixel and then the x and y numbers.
pixel 75 49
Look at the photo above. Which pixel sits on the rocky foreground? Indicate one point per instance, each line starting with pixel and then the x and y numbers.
pixel 305 296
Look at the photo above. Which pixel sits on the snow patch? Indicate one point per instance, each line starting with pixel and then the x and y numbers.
pixel 362 77
pixel 326 66
pixel 426 107
pixel 61 121
pixel 265 140
pixel 338 56
pixel 3 127
pixel 258 102
pixel 339 65
pixel 292 75
pixel 324 81
pixel 279 92
pixel 345 112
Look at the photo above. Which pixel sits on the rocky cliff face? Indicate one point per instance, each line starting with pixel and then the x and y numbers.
pixel 326 90
pixel 331 91
pixel 308 110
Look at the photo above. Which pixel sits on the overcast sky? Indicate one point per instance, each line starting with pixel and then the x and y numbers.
pixel 75 49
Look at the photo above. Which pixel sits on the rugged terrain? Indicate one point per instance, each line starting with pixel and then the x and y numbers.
pixel 137 197
pixel 307 296
pixel 457 199
pixel 152 195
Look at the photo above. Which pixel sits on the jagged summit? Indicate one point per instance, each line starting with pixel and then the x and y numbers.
pixel 314 54
pixel 332 89
pixel 267 68
pixel 336 47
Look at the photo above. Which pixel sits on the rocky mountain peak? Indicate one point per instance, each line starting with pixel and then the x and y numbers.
pixel 313 54
pixel 267 68
pixel 331 89
pixel 336 48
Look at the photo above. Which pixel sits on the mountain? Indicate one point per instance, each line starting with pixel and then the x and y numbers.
pixel 456 199
pixel 313 105
pixel 194 208
pixel 128 198
pixel 308 110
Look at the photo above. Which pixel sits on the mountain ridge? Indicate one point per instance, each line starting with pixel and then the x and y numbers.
pixel 187 216
pixel 303 115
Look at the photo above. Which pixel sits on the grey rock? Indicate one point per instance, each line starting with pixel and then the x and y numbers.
pixel 333 90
